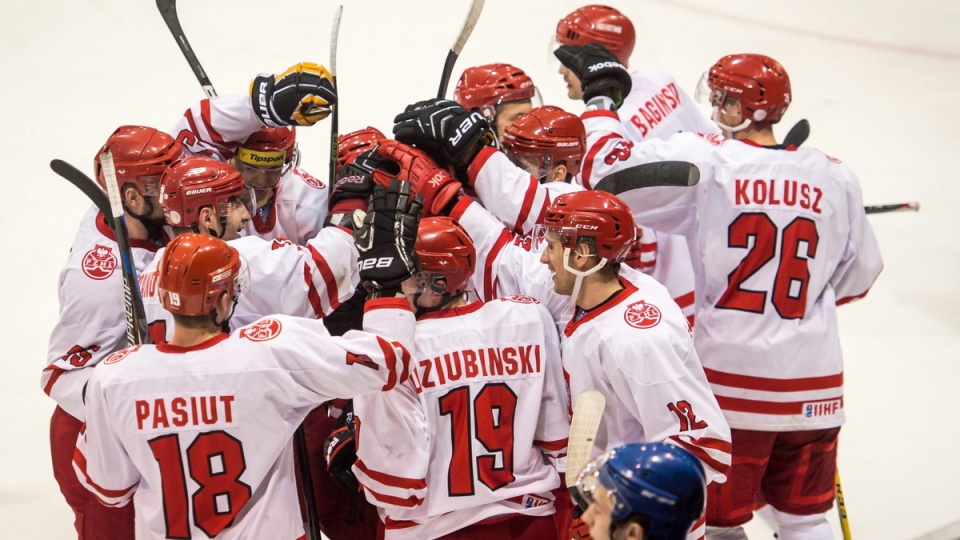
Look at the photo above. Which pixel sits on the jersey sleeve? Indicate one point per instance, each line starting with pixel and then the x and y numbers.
pixel 215 128
pixel 861 261
pixel 671 393
pixel 311 205
pixel 100 461
pixel 90 326
pixel 507 264
pixel 393 447
pixel 553 424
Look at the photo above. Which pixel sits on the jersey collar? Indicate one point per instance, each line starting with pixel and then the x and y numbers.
pixel 628 289
pixel 452 312
pixel 165 347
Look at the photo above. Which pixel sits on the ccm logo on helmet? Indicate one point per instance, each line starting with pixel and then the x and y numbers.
pixel 467 123
pixel 587 227
pixel 605 64
pixel 380 262
pixel 610 28
pixel 198 191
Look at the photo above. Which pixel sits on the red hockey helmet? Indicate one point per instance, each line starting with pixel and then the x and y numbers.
pixel 759 82
pixel 544 137
pixel 596 214
pixel 195 182
pixel 350 145
pixel 194 270
pixel 599 24
pixel 446 250
pixel 140 155
pixel 485 87
pixel 266 156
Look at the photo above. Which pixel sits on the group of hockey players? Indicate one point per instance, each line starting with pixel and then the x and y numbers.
pixel 429 317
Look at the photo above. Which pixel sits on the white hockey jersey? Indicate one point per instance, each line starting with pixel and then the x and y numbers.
pixel 215 128
pixel 200 437
pixel 488 382
pixel 780 239
pixel 657 108
pixel 309 281
pixel 635 348
pixel 92 321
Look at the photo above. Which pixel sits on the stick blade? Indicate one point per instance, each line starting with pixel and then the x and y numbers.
pixel 583 431
pixel 798 134
pixel 662 173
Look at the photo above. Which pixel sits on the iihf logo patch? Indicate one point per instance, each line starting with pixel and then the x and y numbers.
pixel 99 263
pixel 532 501
pixel 642 315
pixel 262 330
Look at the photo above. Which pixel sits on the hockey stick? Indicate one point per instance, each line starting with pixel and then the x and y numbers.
pixel 583 431
pixel 798 134
pixel 842 509
pixel 168 10
pixel 335 116
pixel 662 173
pixel 472 16
pixel 883 208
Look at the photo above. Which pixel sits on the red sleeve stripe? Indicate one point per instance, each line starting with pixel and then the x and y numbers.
pixel 552 446
pixel 477 164
pixel 600 113
pixel 773 385
pixel 386 303
pixel 81 462
pixel 390 359
pixel 527 205
pixel 312 293
pixel 333 294
pixel 489 284
pixel 647 247
pixel 393 524
pixel 684 300
pixel 702 455
pixel 847 299
pixel 409 502
pixel 55 374
pixel 398 482
pixel 543 212
pixel 207 123
pixel 591 154
pixel 768 407
pixel 404 361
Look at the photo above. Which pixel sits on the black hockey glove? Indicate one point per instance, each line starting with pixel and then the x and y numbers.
pixel 301 95
pixel 599 71
pixel 351 192
pixel 340 451
pixel 386 238
pixel 447 132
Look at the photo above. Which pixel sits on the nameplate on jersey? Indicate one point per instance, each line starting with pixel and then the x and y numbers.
pixel 185 411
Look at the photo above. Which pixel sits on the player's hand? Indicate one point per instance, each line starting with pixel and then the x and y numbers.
pixel 350 193
pixel 599 71
pixel 301 95
pixel 340 451
pixel 579 530
pixel 387 236
pixel 445 130
pixel 437 186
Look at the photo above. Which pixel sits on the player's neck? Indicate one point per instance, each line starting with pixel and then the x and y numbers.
pixel 762 135
pixel 135 229
pixel 597 290
pixel 184 336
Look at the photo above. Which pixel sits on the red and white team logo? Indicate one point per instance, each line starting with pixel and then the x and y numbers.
pixel 99 263
pixel 309 180
pixel 642 315
pixel 520 299
pixel 262 330
pixel 120 355
pixel 711 138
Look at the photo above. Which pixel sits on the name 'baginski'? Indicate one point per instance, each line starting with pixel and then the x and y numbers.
pixel 478 363
pixel 774 192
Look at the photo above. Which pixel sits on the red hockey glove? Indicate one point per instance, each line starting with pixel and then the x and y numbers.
pixel 579 530
pixel 340 451
pixel 437 186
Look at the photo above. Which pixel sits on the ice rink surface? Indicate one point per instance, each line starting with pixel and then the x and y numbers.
pixel 878 81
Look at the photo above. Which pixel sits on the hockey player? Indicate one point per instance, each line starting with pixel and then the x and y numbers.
pixel 637 491
pixel 781 239
pixel 500 92
pixel 468 448
pixel 260 141
pixel 198 429
pixel 91 322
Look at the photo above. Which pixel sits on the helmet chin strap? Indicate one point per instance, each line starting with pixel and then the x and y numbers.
pixel 728 131
pixel 579 273
pixel 225 323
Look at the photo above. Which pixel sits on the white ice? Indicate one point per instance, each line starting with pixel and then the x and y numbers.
pixel 877 80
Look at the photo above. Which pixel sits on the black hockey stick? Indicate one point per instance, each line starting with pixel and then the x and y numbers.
pixel 797 135
pixel 133 304
pixel 168 10
pixel 335 116
pixel 662 173
pixel 884 208
pixel 472 16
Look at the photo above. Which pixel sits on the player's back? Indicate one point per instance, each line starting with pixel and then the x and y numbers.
pixel 491 385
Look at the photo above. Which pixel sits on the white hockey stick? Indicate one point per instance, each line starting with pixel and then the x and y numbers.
pixel 583 431
pixel 335 116
pixel 471 21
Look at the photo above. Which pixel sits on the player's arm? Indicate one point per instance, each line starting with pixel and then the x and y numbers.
pixel 301 95
pixel 510 193
pixel 100 461
pixel 861 262
pixel 393 452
